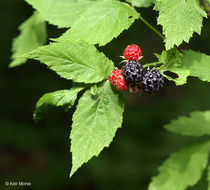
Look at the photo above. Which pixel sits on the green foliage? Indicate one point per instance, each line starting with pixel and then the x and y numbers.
pixel 95 122
pixel 32 35
pixel 183 168
pixel 99 112
pixel 187 63
pixel 197 63
pixel 96 22
pixel 197 124
pixel 78 61
pixel 141 3
pixel 100 23
pixel 61 98
pixel 172 62
pixel 180 19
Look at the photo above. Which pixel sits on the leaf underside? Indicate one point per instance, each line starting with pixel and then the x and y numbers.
pixel 182 169
pixel 197 124
pixel 61 98
pixel 32 35
pixel 96 22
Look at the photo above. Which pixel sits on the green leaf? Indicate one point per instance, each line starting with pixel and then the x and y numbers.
pixel 197 63
pixel 95 122
pixel 101 22
pixel 94 89
pixel 61 98
pixel 183 168
pixel 180 19
pixel 172 62
pixel 187 63
pixel 141 3
pixel 78 61
pixel 197 124
pixel 62 13
pixel 32 35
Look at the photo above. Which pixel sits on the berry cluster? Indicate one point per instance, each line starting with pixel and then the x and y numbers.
pixel 133 77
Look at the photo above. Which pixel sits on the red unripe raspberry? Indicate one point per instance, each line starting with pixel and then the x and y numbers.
pixel 132 52
pixel 116 78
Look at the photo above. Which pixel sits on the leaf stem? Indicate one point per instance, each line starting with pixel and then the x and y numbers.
pixel 152 64
pixel 151 27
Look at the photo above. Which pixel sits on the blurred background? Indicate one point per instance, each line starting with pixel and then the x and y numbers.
pixel 39 153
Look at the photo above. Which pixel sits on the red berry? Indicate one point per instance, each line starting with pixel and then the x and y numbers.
pixel 116 78
pixel 132 52
pixel 136 89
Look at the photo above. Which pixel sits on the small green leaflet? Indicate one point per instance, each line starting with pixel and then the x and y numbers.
pixel 95 122
pixel 187 63
pixel 172 62
pixel 78 61
pixel 182 169
pixel 61 98
pixel 141 3
pixel 101 22
pixel 94 89
pixel 180 19
pixel 32 35
pixel 197 124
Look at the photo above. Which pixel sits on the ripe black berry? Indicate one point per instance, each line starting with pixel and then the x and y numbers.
pixel 133 72
pixel 152 81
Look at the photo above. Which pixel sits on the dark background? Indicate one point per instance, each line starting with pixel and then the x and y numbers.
pixel 39 153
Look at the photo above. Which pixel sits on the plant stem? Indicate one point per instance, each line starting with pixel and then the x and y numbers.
pixel 151 27
pixel 152 64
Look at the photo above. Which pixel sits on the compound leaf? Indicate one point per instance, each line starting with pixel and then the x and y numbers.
pixel 141 3
pixel 180 19
pixel 102 22
pixel 78 61
pixel 32 35
pixel 61 98
pixel 95 122
pixel 183 168
pixel 197 124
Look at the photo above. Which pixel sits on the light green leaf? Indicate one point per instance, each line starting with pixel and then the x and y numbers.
pixel 61 98
pixel 78 61
pixel 141 3
pixel 197 124
pixel 100 23
pixel 94 89
pixel 32 35
pixel 180 19
pixel 62 13
pixel 95 122
pixel 183 168
pixel 197 63
pixel 172 62
pixel 187 63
